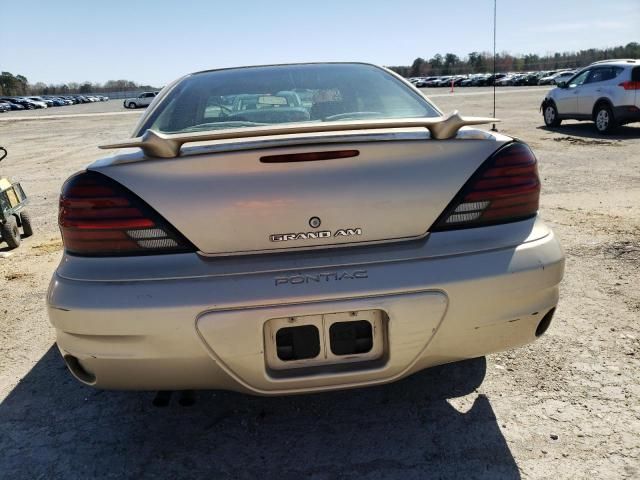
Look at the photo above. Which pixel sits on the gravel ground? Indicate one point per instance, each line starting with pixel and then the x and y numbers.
pixel 564 407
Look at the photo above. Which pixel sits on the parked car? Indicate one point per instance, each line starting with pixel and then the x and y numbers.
pixel 562 77
pixel 531 79
pixel 267 257
pixel 491 79
pixel 4 107
pixel 549 79
pixel 36 103
pixel 431 82
pixel 64 100
pixel 504 81
pixel 481 80
pixel 520 80
pixel 12 104
pixel 467 82
pixel 56 102
pixel 443 81
pixel 27 104
pixel 47 103
pixel 142 100
pixel 606 92
pixel 544 78
pixel 457 80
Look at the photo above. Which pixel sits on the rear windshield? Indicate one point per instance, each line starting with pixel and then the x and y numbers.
pixel 254 96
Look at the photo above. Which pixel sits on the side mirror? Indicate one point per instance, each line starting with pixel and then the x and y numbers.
pixel 561 84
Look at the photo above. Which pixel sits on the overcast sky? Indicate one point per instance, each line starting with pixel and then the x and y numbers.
pixel 154 42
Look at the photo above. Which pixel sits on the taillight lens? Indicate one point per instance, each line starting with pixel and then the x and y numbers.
pixel 505 189
pixel 100 217
pixel 630 85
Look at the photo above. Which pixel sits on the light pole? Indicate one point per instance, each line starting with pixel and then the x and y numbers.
pixel 495 8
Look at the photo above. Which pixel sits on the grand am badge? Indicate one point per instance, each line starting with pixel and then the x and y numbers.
pixel 342 232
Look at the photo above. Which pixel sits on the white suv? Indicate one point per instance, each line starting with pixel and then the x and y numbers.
pixel 142 100
pixel 606 92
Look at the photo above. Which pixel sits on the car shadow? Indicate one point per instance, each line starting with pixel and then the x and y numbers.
pixel 588 130
pixel 53 427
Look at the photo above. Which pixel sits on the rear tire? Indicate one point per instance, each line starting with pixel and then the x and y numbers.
pixel 10 232
pixel 550 114
pixel 604 120
pixel 25 219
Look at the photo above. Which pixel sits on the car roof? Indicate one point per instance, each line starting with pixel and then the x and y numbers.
pixel 286 65
pixel 623 62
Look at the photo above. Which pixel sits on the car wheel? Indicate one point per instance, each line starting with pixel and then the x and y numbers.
pixel 133 105
pixel 551 116
pixel 603 119
pixel 10 232
pixel 25 219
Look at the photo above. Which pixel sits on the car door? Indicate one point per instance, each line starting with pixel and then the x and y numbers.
pixel 595 87
pixel 566 98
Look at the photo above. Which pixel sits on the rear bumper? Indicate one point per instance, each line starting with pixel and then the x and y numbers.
pixel 626 114
pixel 208 331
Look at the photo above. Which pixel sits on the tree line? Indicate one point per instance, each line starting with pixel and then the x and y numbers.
pixel 447 64
pixel 482 62
pixel 16 85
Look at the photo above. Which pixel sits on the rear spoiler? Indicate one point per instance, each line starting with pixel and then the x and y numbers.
pixel 163 145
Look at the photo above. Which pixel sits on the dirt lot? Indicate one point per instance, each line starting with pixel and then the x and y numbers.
pixel 565 407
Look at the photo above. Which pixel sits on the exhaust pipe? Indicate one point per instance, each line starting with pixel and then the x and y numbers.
pixel 78 370
pixel 545 322
pixel 163 398
pixel 187 398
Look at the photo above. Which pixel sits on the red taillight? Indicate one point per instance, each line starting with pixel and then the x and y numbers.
pixel 99 217
pixel 630 85
pixel 505 189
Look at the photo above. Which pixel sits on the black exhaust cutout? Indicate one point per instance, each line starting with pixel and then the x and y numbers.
pixel 163 398
pixel 187 398
pixel 545 322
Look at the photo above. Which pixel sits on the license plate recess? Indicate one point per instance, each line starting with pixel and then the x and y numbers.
pixel 324 339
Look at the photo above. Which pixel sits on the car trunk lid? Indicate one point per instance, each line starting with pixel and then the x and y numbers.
pixel 236 202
